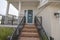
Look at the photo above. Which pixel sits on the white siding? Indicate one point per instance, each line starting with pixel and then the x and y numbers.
pixel 54 0
pixel 50 22
pixel 43 2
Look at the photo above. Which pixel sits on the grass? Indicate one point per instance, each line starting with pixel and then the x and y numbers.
pixel 5 32
pixel 44 37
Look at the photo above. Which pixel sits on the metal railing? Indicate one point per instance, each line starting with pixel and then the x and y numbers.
pixel 41 31
pixel 18 30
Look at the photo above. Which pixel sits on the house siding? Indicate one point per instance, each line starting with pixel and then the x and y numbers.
pixel 50 22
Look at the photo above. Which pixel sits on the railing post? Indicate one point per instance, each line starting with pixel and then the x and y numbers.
pixel 7 11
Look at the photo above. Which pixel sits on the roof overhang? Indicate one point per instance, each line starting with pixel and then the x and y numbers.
pixel 15 3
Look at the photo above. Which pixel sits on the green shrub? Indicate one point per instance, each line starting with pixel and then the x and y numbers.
pixel 5 32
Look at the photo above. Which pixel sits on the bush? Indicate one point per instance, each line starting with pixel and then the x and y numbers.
pixel 5 32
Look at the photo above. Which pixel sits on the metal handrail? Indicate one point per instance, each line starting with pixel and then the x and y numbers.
pixel 40 28
pixel 17 31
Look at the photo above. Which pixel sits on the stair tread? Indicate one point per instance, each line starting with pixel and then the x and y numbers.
pixel 29 29
pixel 28 33
pixel 30 25
pixel 29 38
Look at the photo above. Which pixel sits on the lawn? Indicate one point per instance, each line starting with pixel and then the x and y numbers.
pixel 5 32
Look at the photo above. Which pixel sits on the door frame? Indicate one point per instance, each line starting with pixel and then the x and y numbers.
pixel 26 14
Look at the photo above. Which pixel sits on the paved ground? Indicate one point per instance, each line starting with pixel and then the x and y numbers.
pixel 8 25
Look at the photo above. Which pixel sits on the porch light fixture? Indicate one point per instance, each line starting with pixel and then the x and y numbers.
pixel 57 15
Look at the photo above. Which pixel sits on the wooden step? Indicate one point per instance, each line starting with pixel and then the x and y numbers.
pixel 27 34
pixel 29 30
pixel 30 27
pixel 28 38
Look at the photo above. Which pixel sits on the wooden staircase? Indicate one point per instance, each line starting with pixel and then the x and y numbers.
pixel 29 32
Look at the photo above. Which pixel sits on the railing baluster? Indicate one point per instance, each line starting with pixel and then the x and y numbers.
pixel 17 31
pixel 40 28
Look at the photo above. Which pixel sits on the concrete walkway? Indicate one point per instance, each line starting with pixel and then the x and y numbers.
pixel 8 25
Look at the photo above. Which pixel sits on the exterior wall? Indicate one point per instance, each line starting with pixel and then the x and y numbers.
pixel 42 3
pixel 46 20
pixel 50 22
pixel 54 0
pixel 55 22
